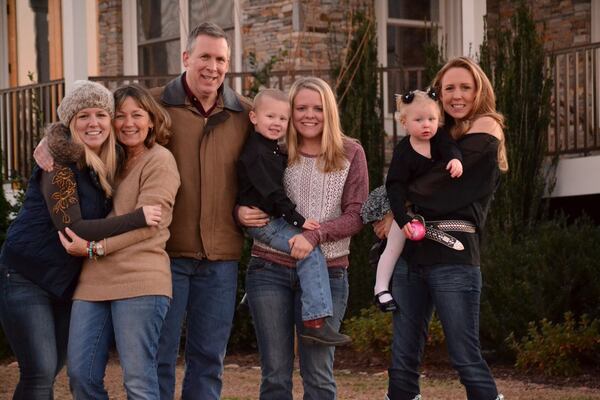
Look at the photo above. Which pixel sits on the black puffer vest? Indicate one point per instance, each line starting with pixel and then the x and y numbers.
pixel 32 246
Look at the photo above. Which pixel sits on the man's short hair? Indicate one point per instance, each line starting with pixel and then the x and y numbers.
pixel 274 94
pixel 209 29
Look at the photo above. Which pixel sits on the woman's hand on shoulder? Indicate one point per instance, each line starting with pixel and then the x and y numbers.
pixel 487 125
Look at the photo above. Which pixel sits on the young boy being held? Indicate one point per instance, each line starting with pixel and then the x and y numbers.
pixel 261 167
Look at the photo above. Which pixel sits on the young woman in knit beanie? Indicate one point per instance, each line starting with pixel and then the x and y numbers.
pixel 327 179
pixel 123 295
pixel 37 276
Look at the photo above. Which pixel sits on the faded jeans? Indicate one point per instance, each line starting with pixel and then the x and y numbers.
pixel 134 324
pixel 36 324
pixel 454 291
pixel 311 270
pixel 205 291
pixel 274 294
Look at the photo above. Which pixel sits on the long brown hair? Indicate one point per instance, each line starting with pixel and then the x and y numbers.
pixel 161 120
pixel 484 103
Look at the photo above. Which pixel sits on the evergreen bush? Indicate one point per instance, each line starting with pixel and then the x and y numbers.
pixel 360 111
pixel 514 60
pixel 543 273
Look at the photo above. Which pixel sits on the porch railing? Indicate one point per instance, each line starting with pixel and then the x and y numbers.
pixel 25 110
pixel 574 126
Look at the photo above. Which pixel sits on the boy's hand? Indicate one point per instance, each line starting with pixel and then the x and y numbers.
pixel 311 224
pixel 455 167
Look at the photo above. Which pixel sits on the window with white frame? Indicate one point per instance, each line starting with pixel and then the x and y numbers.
pixel 159 30
pixel 410 25
pixel 220 12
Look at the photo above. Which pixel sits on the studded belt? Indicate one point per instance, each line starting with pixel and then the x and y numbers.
pixel 436 231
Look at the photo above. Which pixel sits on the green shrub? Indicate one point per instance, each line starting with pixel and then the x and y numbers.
pixel 542 273
pixel 558 349
pixel 371 332
pixel 360 112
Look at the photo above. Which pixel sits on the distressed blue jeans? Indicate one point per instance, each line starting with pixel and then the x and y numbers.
pixel 134 324
pixel 454 291
pixel 36 324
pixel 205 291
pixel 311 270
pixel 274 294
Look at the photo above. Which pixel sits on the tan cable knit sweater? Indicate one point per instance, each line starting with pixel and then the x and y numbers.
pixel 136 263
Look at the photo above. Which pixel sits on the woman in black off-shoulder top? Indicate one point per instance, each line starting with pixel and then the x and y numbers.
pixel 433 274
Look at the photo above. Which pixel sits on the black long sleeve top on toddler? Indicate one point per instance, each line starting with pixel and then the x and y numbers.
pixel 437 196
pixel 260 171
pixel 408 165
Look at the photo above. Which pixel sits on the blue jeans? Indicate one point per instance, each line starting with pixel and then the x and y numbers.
pixel 274 299
pixel 134 325
pixel 207 291
pixel 311 270
pixel 36 324
pixel 454 291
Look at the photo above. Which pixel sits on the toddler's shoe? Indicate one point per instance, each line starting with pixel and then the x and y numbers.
pixel 385 306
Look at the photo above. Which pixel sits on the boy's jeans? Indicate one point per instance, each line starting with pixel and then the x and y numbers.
pixel 311 270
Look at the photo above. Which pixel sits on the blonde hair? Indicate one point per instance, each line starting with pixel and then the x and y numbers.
pixel 270 93
pixel 332 156
pixel 420 97
pixel 104 165
pixel 484 103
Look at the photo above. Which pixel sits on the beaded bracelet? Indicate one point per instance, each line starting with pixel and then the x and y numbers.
pixel 90 250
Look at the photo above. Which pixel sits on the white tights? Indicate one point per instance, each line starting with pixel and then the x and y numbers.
pixel 387 261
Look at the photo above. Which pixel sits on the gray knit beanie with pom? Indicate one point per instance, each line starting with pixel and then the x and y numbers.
pixel 85 94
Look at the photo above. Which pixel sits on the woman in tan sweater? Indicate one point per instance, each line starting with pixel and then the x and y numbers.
pixel 124 289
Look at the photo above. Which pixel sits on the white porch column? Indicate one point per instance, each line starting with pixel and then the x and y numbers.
pixel 472 25
pixel 130 52
pixel 75 59
pixel 3 45
pixel 236 65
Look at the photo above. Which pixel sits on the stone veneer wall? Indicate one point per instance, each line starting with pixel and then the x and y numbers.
pixel 308 34
pixel 564 23
pixel 110 37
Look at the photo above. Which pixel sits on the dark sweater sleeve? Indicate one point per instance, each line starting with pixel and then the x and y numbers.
pixel 445 147
pixel 436 193
pixel 59 188
pixel 396 184
pixel 261 176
